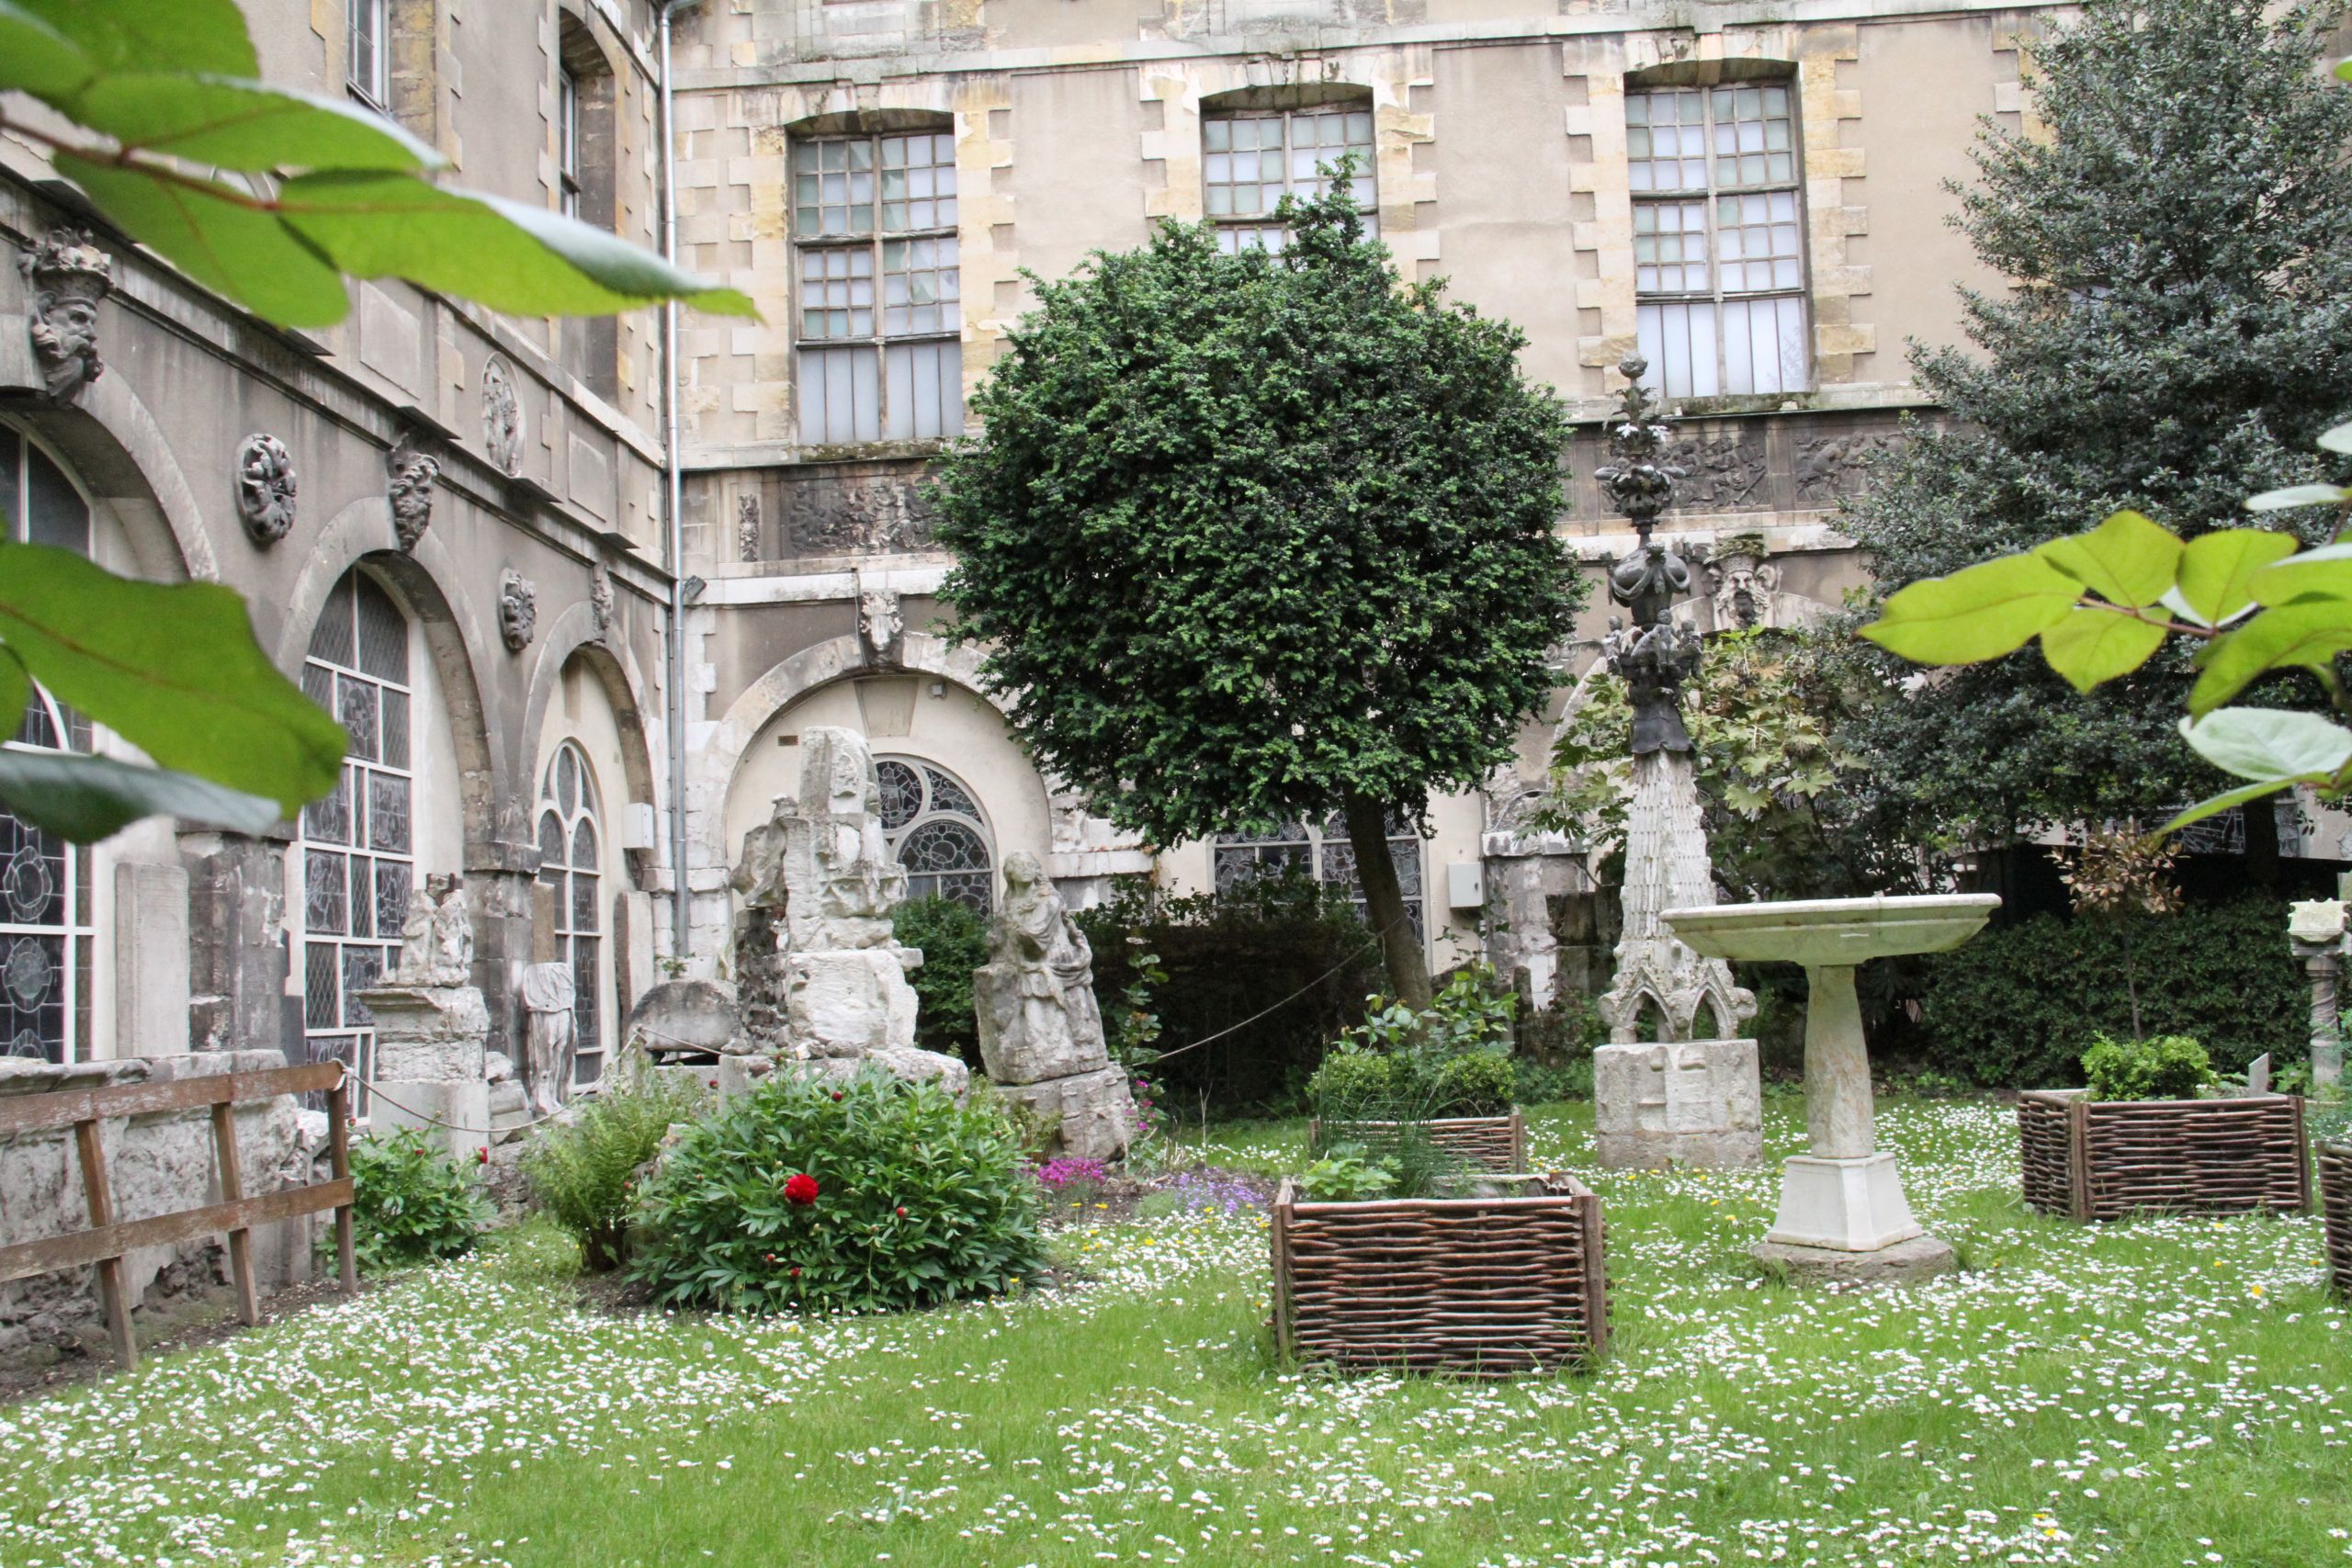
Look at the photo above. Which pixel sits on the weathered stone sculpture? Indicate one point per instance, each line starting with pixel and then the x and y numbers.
pixel 518 610
pixel 409 473
pixel 69 276
pixel 1674 1098
pixel 502 416
pixel 549 1037
pixel 1041 1030
pixel 431 1026
pixel 267 489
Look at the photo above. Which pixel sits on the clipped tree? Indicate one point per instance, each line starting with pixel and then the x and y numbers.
pixel 2177 335
pixel 1249 538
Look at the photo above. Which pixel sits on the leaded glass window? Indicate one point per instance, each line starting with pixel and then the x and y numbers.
pixel 46 931
pixel 1320 849
pixel 879 310
pixel 1718 238
pixel 358 843
pixel 933 828
pixel 1252 160
pixel 569 868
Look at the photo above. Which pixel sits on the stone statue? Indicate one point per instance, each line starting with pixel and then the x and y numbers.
pixel 880 626
pixel 69 276
pixel 431 1026
pixel 409 473
pixel 518 610
pixel 437 938
pixel 1041 1030
pixel 502 416
pixel 266 489
pixel 1743 584
pixel 550 1038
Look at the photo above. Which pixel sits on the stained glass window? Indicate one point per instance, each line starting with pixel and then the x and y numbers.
pixel 934 829
pixel 1320 849
pixel 569 868
pixel 358 843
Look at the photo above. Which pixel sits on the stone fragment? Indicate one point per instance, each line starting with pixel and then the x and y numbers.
pixel 1696 1102
pixel 1094 1113
pixel 1037 1015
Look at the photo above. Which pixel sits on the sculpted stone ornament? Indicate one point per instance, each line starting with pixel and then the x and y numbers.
pixel 747 527
pixel 502 416
pixel 267 489
pixel 69 276
pixel 550 1037
pixel 1041 1030
pixel 431 1026
pixel 1653 663
pixel 410 471
pixel 437 938
pixel 600 596
pixel 518 610
pixel 880 626
pixel 1743 584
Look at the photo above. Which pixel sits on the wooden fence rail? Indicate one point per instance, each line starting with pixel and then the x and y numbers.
pixel 107 1240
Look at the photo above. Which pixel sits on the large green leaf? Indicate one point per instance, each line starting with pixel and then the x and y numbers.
pixel 2126 560
pixel 217 236
pixel 37 58
pixel 1979 614
pixel 245 125
pixel 2307 634
pixel 524 260
pixel 2216 570
pixel 173 668
pixel 2091 645
pixel 154 35
pixel 2276 744
pixel 88 798
pixel 15 686
pixel 2299 495
pixel 2326 571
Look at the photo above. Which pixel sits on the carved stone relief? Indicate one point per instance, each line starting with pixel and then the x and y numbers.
pixel 600 596
pixel 880 515
pixel 502 416
pixel 411 471
pixel 747 527
pixel 879 624
pixel 1828 466
pixel 518 610
pixel 267 488
pixel 69 276
pixel 1721 475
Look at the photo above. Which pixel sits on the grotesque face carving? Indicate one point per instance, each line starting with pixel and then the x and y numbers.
pixel 69 276
pixel 879 623
pixel 502 417
pixel 518 610
pixel 1744 584
pixel 265 488
pixel 409 473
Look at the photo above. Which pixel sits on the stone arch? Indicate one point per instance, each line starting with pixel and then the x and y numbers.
pixel 455 635
pixel 574 632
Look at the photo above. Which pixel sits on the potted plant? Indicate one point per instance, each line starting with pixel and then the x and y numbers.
pixel 2150 1134
pixel 1444 1076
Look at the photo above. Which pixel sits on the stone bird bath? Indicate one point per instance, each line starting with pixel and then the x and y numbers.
pixel 1843 1213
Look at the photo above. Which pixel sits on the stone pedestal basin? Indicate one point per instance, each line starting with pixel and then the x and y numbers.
pixel 1843 1212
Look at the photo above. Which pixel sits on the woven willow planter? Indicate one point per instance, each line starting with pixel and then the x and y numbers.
pixel 2103 1159
pixel 1484 1286
pixel 2335 1197
pixel 1497 1145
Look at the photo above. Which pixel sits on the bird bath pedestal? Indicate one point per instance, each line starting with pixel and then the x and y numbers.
pixel 1843 1214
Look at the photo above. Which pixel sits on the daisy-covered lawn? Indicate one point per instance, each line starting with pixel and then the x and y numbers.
pixel 2159 1391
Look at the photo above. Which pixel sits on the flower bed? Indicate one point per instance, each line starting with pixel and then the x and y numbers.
pixel 2103 1159
pixel 1486 1286
pixel 1497 1145
pixel 2336 1198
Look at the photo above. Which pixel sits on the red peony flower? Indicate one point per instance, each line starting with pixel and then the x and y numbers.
pixel 795 1270
pixel 482 1154
pixel 801 1189
pixel 837 1094
pixel 902 1213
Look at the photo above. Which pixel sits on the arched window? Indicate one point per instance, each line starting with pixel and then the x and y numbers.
pixel 569 868
pixel 1320 851
pixel 358 843
pixel 934 829
pixel 46 931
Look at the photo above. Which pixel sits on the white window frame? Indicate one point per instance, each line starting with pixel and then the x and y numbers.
pixel 1303 148
pixel 877 292
pixel 369 40
pixel 567 142
pixel 564 877
pixel 1700 322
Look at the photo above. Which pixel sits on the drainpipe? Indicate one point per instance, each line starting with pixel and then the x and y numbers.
pixel 673 490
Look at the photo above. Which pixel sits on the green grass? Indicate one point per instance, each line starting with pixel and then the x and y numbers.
pixel 2159 1391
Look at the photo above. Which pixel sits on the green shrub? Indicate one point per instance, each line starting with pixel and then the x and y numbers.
pixel 1399 1064
pixel 1351 1078
pixel 1475 1083
pixel 2163 1067
pixel 581 1174
pixel 1546 1083
pixel 1346 1176
pixel 409 1202
pixel 869 1194
pixel 954 939
pixel 2012 1007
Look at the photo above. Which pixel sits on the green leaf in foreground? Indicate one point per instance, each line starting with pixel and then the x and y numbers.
pixel 84 799
pixel 2306 634
pixel 1975 614
pixel 2126 560
pixel 173 668
pixel 36 57
pixel 2275 748
pixel 233 124
pixel 2091 646
pixel 154 35
pixel 2338 439
pixel 2217 569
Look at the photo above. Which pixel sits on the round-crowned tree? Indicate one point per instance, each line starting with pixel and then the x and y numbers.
pixel 1254 537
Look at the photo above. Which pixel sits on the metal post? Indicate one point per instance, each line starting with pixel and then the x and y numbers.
pixel 674 491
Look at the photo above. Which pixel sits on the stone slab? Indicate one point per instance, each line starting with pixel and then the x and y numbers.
pixel 900 1061
pixel 690 1016
pixel 1093 1112
pixel 1660 1103
pixel 427 1103
pixel 1921 1257
pixel 849 1002
pixel 429 1032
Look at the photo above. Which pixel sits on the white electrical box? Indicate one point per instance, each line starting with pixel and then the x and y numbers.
pixel 636 826
pixel 1465 885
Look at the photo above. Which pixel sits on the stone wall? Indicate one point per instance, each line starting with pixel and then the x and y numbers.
pixel 159 1164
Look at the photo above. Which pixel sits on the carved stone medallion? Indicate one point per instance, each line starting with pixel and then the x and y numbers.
pixel 410 472
pixel 502 416
pixel 265 488
pixel 518 610
pixel 69 276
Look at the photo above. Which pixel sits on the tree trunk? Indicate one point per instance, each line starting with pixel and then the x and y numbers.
pixel 1383 901
pixel 2261 841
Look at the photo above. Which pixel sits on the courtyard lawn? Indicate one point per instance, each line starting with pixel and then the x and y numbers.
pixel 2160 1392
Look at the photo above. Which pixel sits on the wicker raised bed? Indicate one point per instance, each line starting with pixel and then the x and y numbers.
pixel 1486 1286
pixel 2103 1159
pixel 1493 1143
pixel 2335 1197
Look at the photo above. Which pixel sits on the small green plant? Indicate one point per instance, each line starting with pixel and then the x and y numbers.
pixel 868 1194
pixel 582 1174
pixel 1346 1176
pixel 1546 1083
pixel 2166 1066
pixel 1451 1060
pixel 1475 1083
pixel 411 1203
pixel 953 938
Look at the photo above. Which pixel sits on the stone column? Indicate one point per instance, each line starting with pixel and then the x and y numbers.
pixel 150 960
pixel 1839 1117
pixel 237 961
